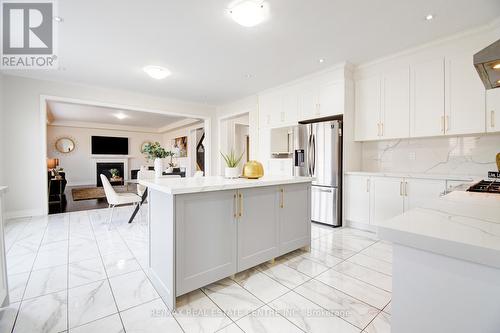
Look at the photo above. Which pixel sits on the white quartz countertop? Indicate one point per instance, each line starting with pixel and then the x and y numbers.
pixel 206 184
pixel 463 225
pixel 415 175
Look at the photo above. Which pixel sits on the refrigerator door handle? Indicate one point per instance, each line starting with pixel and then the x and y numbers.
pixel 313 146
pixel 309 155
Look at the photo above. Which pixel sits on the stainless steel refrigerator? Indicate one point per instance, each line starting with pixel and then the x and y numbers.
pixel 318 153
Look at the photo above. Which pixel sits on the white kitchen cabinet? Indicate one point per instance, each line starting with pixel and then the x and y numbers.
pixel 258 225
pixel 270 106
pixel 386 199
pixel 308 102
pixel 367 108
pixel 420 191
pixel 395 111
pixel 465 96
pixel 493 110
pixel 290 108
pixel 206 250
pixel 357 198
pixel 427 93
pixel 293 211
pixel 331 98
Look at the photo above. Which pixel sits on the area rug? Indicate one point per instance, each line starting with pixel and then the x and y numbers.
pixel 91 193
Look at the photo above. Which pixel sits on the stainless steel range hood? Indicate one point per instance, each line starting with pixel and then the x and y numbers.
pixel 485 61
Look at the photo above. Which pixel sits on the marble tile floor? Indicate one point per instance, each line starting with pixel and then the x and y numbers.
pixel 71 273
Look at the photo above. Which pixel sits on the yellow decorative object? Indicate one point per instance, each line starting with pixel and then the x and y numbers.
pixel 253 170
pixel 498 161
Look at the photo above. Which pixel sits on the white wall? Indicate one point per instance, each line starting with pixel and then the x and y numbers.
pixel 248 105
pixel 78 165
pixel 25 131
pixel 185 162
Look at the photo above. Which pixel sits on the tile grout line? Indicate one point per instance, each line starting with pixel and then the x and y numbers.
pixel 90 219
pixel 29 275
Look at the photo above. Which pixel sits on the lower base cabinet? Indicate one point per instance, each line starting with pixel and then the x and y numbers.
pixel 370 200
pixel 224 232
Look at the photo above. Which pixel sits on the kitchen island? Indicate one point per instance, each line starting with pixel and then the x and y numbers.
pixel 208 228
pixel 446 265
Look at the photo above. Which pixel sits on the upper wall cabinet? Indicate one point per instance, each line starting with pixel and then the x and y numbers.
pixel 331 98
pixel 395 112
pixel 493 110
pixel 312 98
pixel 368 104
pixel 465 96
pixel 427 102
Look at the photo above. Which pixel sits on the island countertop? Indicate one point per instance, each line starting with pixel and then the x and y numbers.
pixel 462 225
pixel 216 183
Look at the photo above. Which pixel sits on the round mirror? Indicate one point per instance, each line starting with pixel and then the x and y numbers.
pixel 144 145
pixel 65 145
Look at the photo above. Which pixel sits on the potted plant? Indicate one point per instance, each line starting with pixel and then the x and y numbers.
pixel 232 161
pixel 154 151
pixel 115 173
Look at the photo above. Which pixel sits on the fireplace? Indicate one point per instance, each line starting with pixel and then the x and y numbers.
pixel 105 169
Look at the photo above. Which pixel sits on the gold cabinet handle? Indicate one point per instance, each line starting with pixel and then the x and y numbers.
pixel 282 203
pixel 235 206
pixel 492 118
pixel 241 205
pixel 406 189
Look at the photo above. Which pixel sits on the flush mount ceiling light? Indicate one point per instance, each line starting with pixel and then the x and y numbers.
pixel 157 72
pixel 321 60
pixel 120 116
pixel 429 17
pixel 249 13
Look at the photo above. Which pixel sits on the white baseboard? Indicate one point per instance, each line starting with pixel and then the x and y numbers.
pixel 362 226
pixel 14 214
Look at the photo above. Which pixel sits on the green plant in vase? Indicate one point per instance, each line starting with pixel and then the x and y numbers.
pixel 232 161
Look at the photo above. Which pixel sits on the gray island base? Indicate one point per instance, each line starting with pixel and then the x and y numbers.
pixel 205 229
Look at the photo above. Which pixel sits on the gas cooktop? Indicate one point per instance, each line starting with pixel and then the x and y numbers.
pixel 486 186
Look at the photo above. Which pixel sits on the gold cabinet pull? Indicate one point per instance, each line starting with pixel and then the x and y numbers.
pixel 235 206
pixel 241 205
pixel 282 203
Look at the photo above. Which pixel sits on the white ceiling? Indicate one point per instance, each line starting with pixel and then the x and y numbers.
pixel 78 114
pixel 107 43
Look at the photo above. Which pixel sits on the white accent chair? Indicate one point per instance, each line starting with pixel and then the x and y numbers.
pixel 114 199
pixel 143 175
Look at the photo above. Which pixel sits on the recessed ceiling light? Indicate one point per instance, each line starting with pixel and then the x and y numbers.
pixel 58 18
pixel 249 13
pixel 429 17
pixel 157 72
pixel 496 66
pixel 120 116
pixel 321 60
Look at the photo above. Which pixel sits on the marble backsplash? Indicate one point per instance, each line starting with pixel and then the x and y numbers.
pixel 463 155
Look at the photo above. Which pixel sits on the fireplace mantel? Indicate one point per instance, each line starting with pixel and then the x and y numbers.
pixel 112 159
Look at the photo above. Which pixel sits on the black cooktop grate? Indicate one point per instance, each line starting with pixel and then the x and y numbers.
pixel 486 186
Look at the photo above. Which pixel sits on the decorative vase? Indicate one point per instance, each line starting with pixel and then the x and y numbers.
pixel 253 170
pixel 158 167
pixel 232 173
